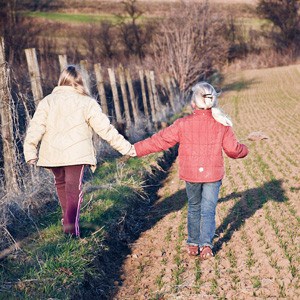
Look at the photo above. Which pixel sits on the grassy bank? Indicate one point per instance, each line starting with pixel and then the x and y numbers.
pixel 52 265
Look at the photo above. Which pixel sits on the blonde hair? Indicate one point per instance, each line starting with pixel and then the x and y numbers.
pixel 205 97
pixel 73 76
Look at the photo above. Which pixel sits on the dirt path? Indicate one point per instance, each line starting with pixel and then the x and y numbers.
pixel 258 234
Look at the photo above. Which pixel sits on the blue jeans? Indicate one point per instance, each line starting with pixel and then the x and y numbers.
pixel 202 203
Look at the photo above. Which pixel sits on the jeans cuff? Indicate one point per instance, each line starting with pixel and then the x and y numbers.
pixel 206 244
pixel 191 244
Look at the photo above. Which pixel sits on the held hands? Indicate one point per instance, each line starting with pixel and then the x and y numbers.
pixel 131 152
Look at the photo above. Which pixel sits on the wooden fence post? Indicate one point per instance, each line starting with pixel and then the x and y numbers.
pixel 114 89
pixel 9 152
pixel 84 69
pixel 63 61
pixel 154 91
pixel 124 95
pixel 35 77
pixel 100 87
pixel 174 84
pixel 133 102
pixel 171 92
pixel 151 99
pixel 146 112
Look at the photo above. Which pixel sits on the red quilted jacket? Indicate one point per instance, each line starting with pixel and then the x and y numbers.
pixel 201 140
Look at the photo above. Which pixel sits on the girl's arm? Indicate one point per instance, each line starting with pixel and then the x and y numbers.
pixel 35 131
pixel 232 147
pixel 101 125
pixel 162 140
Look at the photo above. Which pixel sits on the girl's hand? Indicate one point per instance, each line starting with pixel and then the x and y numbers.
pixel 32 161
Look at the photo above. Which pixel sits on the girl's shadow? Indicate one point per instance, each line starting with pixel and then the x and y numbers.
pixel 245 207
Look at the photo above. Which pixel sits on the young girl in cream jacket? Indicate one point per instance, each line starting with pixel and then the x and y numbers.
pixel 202 136
pixel 59 137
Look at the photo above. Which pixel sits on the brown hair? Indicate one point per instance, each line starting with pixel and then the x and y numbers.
pixel 72 76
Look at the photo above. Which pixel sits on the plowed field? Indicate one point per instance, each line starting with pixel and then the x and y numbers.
pixel 257 243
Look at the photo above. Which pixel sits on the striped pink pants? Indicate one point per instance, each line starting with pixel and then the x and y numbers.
pixel 68 183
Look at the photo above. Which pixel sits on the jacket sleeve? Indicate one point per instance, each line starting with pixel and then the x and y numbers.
pixel 36 130
pixel 162 140
pixel 231 146
pixel 101 125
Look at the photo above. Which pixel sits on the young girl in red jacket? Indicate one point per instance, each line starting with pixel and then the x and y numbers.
pixel 202 137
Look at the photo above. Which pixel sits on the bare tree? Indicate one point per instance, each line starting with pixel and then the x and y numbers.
pixel 99 42
pixel 18 32
pixel 107 44
pixel 236 37
pixel 284 14
pixel 134 36
pixel 90 42
pixel 190 44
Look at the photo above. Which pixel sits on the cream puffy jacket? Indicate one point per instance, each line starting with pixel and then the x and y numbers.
pixel 63 124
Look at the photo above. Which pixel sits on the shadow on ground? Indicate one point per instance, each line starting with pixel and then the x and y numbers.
pixel 245 207
pixel 238 85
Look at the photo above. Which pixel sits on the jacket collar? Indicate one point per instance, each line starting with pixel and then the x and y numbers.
pixel 63 88
pixel 203 112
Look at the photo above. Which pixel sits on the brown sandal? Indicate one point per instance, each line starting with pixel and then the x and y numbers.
pixel 193 250
pixel 206 253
